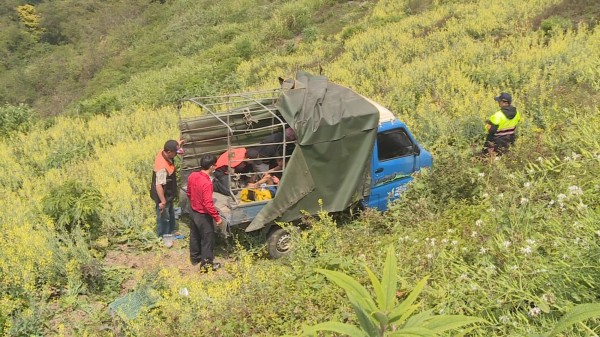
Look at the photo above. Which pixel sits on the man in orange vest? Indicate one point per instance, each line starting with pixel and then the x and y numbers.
pixel 164 187
pixel 501 126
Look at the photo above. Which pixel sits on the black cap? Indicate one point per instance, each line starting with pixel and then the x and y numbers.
pixel 171 145
pixel 504 97
pixel 252 153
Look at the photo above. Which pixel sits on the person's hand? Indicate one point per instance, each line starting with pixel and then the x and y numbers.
pixel 219 222
pixel 161 206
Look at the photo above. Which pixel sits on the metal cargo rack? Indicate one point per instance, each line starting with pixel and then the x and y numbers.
pixel 215 124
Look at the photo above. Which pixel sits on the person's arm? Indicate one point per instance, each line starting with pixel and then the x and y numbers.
pixel 207 192
pixel 161 180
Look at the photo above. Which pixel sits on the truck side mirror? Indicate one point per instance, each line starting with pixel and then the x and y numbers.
pixel 416 150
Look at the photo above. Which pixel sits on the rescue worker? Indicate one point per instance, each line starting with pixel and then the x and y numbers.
pixel 501 126
pixel 164 187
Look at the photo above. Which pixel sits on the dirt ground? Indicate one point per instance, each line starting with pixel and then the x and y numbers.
pixel 124 256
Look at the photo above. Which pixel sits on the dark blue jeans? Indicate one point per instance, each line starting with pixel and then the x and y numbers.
pixel 165 220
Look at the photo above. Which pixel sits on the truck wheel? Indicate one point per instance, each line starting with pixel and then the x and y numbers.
pixel 279 243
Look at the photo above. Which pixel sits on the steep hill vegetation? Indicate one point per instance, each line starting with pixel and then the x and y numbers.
pixel 515 241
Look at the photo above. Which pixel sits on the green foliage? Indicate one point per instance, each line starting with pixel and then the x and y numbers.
pixel 74 204
pixel 556 25
pixel 577 314
pixel 15 119
pixel 513 240
pixel 384 316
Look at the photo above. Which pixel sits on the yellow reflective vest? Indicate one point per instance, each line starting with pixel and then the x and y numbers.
pixel 505 126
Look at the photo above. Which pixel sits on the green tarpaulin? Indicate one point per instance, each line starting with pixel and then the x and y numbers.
pixel 335 129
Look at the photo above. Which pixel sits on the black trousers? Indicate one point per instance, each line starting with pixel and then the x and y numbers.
pixel 202 239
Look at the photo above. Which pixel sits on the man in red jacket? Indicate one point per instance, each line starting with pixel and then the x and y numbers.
pixel 202 230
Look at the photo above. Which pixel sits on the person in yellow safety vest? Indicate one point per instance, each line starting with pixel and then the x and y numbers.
pixel 501 126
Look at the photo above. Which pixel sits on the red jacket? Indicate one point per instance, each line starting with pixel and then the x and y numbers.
pixel 199 191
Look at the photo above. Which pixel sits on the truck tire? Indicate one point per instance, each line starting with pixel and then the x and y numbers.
pixel 279 242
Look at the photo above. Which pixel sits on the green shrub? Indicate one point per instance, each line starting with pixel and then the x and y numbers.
pixel 556 25
pixel 75 204
pixel 382 315
pixel 16 119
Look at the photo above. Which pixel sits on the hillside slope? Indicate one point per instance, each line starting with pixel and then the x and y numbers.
pixel 515 241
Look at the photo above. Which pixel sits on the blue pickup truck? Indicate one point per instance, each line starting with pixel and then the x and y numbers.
pixel 347 151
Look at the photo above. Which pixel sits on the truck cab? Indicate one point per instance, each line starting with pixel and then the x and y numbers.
pixel 396 157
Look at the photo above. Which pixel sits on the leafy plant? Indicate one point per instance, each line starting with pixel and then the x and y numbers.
pixel 74 204
pixel 383 316
pixel 15 119
pixel 578 314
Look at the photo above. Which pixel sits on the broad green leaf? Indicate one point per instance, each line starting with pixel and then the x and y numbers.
pixel 413 332
pixel 352 287
pixel 381 317
pixel 388 279
pixel 341 328
pixel 366 321
pixel 379 294
pixel 400 312
pixel 578 314
pixel 442 323
pixel 419 319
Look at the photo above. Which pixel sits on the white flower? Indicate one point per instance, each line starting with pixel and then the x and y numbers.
pixel 527 185
pixel 444 240
pixel 478 223
pixel 581 206
pixel 473 287
pixel 575 155
pixel 526 250
pixel 507 244
pixel 535 311
pixel 540 159
pixel 473 234
pixel 514 267
pixel 551 202
pixel 511 176
pixel 504 319
pixel 561 197
pixel 524 201
pixel 501 195
pixel 483 250
pixel 530 241
pixel 451 230
pixel 567 159
pixel 184 292
pixel 575 190
pixel 463 276
pixel 485 195
pixel 598 233
pixel 481 175
pixel 454 242
pixel 430 256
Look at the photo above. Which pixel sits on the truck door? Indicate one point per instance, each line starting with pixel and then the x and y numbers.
pixel 395 158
